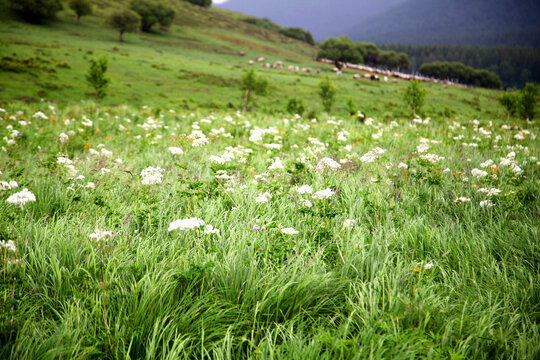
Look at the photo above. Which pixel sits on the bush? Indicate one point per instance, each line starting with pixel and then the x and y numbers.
pixel 351 107
pixel 81 8
pixel 36 11
pixel 295 106
pixel 527 101
pixel 251 83
pixel 203 3
pixel 124 21
pixel 151 13
pixel 510 101
pixel 327 93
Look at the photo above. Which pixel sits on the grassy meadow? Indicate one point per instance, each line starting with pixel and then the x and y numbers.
pixel 169 225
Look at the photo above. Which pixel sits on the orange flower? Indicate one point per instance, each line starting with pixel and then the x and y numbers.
pixel 88 144
pixel 129 133
pixel 97 130
pixel 53 118
pixel 106 138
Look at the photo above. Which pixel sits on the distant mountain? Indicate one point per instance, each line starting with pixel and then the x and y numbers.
pixel 458 22
pixel 323 18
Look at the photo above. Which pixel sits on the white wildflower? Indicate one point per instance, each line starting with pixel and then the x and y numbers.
pixel 186 224
pixel 305 189
pixel 152 175
pixel 289 231
pixel 175 151
pixel 323 194
pixel 101 234
pixel 327 164
pixel 21 198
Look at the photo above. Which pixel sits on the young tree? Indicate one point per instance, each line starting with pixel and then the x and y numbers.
pixel 96 78
pixel 251 83
pixel 415 95
pixel 124 21
pixel 36 11
pixel 527 101
pixel 81 8
pixel 510 101
pixel 327 93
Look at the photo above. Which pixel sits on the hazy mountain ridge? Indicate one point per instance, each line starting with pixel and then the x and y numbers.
pixel 460 22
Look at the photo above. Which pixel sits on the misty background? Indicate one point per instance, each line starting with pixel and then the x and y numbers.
pixel 453 22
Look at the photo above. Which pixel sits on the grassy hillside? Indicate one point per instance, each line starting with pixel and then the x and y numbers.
pixel 194 65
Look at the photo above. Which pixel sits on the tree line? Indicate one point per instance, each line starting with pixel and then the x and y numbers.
pixel 459 72
pixel 515 65
pixel 140 14
pixel 344 50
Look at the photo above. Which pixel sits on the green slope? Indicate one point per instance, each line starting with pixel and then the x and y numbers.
pixel 193 65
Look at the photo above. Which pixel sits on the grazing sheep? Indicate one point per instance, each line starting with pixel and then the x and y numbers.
pixel 366 76
pixel 250 62
pixel 374 77
pixel 385 79
pixel 290 68
pixel 306 70
pixel 261 59
pixel 318 71
pixel 242 53
pixel 356 76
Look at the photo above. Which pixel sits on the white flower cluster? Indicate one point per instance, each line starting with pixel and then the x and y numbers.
pixel 479 173
pixel 510 161
pixel 186 224
pixel 432 158
pixel 487 163
pixel 263 198
pixel 4 185
pixel 192 224
pixel 327 164
pixel 197 138
pixel 175 151
pixel 21 198
pixel 63 138
pixel 305 189
pixel 101 234
pixel 152 175
pixel 289 231
pixel 489 192
pixel 486 203
pixel 372 155
pixel 10 245
pixel 323 194
pixel 348 223
pixel 461 200
pixel 276 164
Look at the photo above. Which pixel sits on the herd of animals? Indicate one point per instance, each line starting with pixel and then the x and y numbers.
pixel 371 72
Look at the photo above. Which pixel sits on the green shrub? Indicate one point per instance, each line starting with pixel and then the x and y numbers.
pixel 295 106
pixel 36 11
pixel 152 13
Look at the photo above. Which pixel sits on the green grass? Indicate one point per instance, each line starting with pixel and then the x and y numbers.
pixel 327 292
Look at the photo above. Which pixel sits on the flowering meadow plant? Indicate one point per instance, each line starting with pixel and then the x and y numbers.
pixel 139 233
